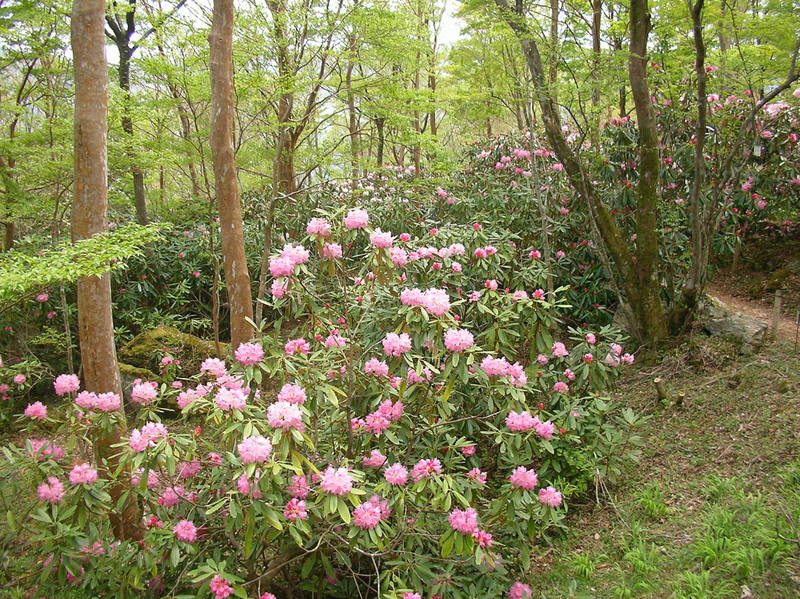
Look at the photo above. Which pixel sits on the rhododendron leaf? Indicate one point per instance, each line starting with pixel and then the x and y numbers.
pixel 344 511
pixel 272 519
pixel 308 565
pixel 175 556
pixel 447 545
pixel 296 536
pixel 215 506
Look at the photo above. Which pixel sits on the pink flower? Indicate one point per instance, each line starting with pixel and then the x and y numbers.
pixel 336 481
pixel 36 411
pixel 519 295
pixel 474 296
pixel 398 256
pixel 147 436
pixel 590 338
pixel 281 267
pixel 520 422
pixel 42 448
pixel 490 284
pixel 436 301
pixel 103 402
pixel 292 393
pixel 468 450
pixel 495 366
pixel 411 297
pixel 332 251
pixel 285 415
pixel 318 226
pixel 410 595
pixel 20 379
pixel 561 387
pixel 82 474
pixel 381 239
pixel 255 449
pixel 464 521
pixel 230 399
pixel 66 383
pixel 559 350
pixel 542 359
pixel 458 340
pixel 51 491
pixel 426 468
pixel 476 475
pixel 628 358
pixel 294 346
pixel 569 375
pixel 42 298
pixel 544 429
pixel 144 393
pixel 367 515
pixel 295 510
pixel 220 587
pixel 356 219
pixel 185 531
pixel 396 474
pixel 396 345
pixel 214 366
pixel 405 237
pixel 523 478
pixel 535 255
pixel 482 538
pixel 375 459
pixel 376 368
pixel 296 254
pixel 335 341
pixel 519 590
pixel 249 354
pixel 550 496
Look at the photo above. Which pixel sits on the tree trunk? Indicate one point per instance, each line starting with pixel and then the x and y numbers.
pixel 552 76
pixel 237 277
pixel 597 15
pixel 352 117
pixel 90 204
pixel 379 124
pixel 648 304
pixel 122 39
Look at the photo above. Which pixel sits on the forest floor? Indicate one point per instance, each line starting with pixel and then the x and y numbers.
pixel 712 510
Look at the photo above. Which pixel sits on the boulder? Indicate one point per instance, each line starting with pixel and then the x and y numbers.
pixel 146 349
pixel 719 320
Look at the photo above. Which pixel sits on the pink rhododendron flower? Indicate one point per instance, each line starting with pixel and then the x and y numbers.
pixel 520 422
pixel 381 239
pixel 255 449
pixel 82 474
pixel 295 346
pixel 295 510
pixel 590 338
pixel 214 366
pixel 319 227
pixel 398 256
pixel 411 297
pixel 45 448
pixel 482 538
pixel 220 587
pixel 464 521
pixel 356 219
pixel 375 459
pixel 230 399
pixel 468 450
pixel 490 284
pixel 523 478
pixel 36 411
pixel 281 267
pixel 549 496
pixel 559 350
pixel 66 383
pixel 426 468
pixel 458 340
pixel 336 481
pixel 332 251
pixel 435 301
pixel 544 429
pixel 248 354
pixel 285 415
pixel 292 393
pixel 495 366
pixel 296 254
pixel 628 358
pixel 376 367
pixel 542 359
pixel 147 436
pixel 144 393
pixel 20 379
pixel 396 345
pixel 519 590
pixel 476 475
pixel 367 515
pixel 51 491
pixel 396 474
pixel 561 387
pixel 299 487
pixel 335 341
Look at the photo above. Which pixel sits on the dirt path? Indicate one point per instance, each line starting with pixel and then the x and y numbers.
pixel 786 327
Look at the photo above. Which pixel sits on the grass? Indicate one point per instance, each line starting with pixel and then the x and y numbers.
pixel 712 511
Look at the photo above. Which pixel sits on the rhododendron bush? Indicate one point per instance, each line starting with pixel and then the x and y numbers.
pixel 409 426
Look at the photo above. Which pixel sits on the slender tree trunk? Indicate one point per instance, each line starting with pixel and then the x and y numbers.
pixel 125 53
pixel 237 277
pixel 379 125
pixel 597 15
pixel 352 117
pixel 648 304
pixel 552 76
pixel 90 203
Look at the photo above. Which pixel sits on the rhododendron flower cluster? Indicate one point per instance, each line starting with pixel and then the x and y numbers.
pixel 144 393
pixel 396 345
pixel 464 521
pixel 100 402
pixel 248 354
pixel 336 481
pixel 255 449
pixel 523 478
pixel 185 531
pixel 82 474
pixel 66 383
pixel 292 393
pixel 147 436
pixel 458 340
pixel 285 415
pixel 425 468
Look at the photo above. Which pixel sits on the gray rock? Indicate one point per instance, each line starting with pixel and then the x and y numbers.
pixel 719 320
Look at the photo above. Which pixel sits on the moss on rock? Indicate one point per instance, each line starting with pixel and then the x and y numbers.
pixel 145 350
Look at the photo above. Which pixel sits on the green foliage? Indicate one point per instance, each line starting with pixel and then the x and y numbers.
pixel 23 274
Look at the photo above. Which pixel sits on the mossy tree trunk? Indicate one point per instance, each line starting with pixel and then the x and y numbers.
pixel 90 204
